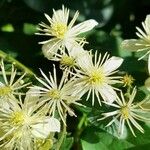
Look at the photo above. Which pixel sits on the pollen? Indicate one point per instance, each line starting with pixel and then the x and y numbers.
pixel 54 94
pixel 67 61
pixel 17 118
pixel 59 30
pixel 5 90
pixel 97 77
pixel 125 112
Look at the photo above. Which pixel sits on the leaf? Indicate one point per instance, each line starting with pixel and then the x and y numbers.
pixel 95 139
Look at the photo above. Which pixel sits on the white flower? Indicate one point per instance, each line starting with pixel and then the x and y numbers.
pixel 63 34
pixel 57 98
pixel 127 112
pixel 22 122
pixel 143 43
pixel 69 58
pixel 10 86
pixel 96 77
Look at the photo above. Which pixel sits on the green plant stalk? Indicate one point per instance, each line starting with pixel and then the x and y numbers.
pixel 10 59
pixel 81 124
pixel 62 135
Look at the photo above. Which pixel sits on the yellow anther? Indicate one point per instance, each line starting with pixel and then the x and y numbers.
pixel 59 30
pixel 67 61
pixel 128 80
pixel 54 94
pixel 97 77
pixel 125 112
pixel 17 118
pixel 5 90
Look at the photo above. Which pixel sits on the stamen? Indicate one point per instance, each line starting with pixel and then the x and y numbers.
pixel 54 94
pixel 97 77
pixel 17 118
pixel 5 90
pixel 125 112
pixel 59 30
pixel 67 61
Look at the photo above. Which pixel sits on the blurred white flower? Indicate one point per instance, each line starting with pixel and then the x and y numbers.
pixel 95 77
pixel 22 122
pixel 62 33
pixel 141 44
pixel 127 112
pixel 57 98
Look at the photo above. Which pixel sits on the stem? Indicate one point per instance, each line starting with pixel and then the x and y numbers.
pixel 82 120
pixel 79 131
pixel 10 59
pixel 62 135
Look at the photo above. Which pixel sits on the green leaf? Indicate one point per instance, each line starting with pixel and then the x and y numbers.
pixel 95 139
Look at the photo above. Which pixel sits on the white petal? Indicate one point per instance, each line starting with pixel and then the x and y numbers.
pixel 133 44
pixel 147 20
pixel 31 98
pixel 147 83
pixel 107 93
pixel 50 48
pixel 85 61
pixel 61 16
pixel 112 64
pixel 147 24
pixel 77 51
pixel 83 27
pixel 43 129
pixel 70 43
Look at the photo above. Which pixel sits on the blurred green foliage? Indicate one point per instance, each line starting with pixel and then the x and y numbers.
pixel 117 20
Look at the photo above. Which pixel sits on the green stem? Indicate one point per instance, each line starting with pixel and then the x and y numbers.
pixel 80 128
pixel 62 135
pixel 82 120
pixel 10 59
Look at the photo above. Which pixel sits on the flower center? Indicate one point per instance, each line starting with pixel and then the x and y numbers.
pixel 67 61
pixel 17 118
pixel 97 77
pixel 128 80
pixel 125 112
pixel 54 94
pixel 5 90
pixel 59 30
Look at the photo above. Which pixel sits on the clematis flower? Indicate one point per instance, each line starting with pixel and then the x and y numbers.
pixel 11 86
pixel 62 32
pixel 57 98
pixel 22 122
pixel 141 44
pixel 127 112
pixel 95 77
pixel 69 58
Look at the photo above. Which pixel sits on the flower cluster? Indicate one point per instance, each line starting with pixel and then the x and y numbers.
pixel 27 118
pixel 22 121
pixel 86 73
